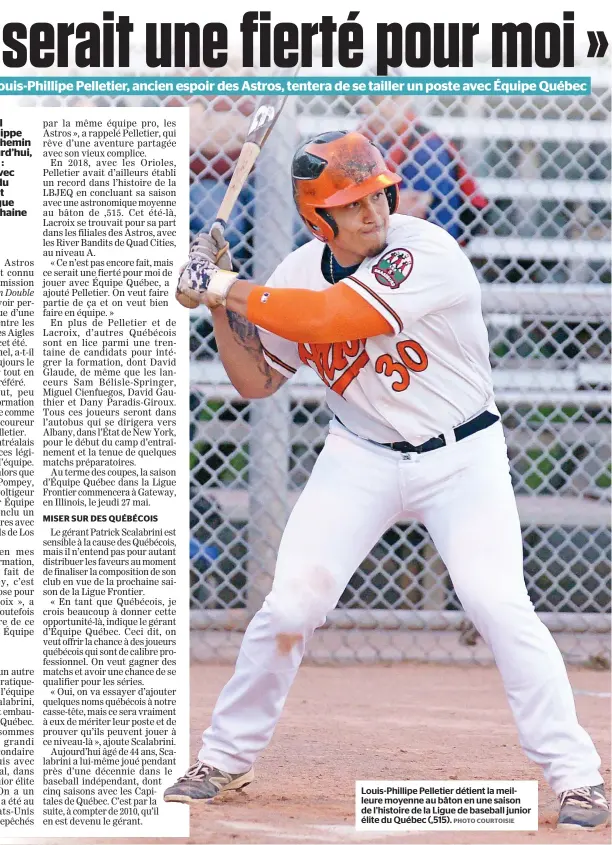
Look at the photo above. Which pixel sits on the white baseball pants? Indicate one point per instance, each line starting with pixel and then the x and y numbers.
pixel 463 495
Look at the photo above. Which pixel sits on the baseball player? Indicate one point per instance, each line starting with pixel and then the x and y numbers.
pixel 386 309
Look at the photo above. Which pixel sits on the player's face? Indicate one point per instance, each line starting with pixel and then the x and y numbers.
pixel 362 228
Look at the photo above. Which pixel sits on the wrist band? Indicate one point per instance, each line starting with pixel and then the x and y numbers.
pixel 218 287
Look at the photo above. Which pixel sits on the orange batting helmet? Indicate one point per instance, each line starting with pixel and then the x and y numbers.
pixel 334 169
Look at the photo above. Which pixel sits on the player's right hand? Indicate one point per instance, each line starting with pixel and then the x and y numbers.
pixel 213 247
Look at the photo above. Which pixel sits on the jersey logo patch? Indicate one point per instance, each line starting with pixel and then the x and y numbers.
pixel 337 364
pixel 394 267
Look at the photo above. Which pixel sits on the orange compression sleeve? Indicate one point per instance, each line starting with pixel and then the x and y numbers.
pixel 307 316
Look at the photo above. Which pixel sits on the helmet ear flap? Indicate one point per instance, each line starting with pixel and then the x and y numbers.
pixel 321 232
pixel 392 198
pixel 327 218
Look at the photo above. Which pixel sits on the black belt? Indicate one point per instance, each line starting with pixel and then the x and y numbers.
pixel 462 431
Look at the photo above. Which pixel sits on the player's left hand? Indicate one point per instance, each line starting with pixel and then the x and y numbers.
pixel 185 299
pixel 207 247
pixel 194 278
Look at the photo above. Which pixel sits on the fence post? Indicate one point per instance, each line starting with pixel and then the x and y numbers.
pixel 270 419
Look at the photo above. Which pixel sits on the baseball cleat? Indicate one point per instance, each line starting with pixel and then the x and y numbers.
pixel 584 808
pixel 203 783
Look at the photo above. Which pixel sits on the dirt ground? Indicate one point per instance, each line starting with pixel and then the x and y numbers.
pixel 378 722
pixel 397 722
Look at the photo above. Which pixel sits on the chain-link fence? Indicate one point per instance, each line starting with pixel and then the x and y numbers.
pixel 524 184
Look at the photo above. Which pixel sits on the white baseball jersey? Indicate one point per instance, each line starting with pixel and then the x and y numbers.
pixel 434 372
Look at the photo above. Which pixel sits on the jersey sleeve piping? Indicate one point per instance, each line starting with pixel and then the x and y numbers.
pixel 278 364
pixel 379 303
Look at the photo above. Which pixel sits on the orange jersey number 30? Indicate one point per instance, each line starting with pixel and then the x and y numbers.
pixel 413 358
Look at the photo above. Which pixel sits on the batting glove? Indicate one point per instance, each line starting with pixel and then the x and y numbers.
pixel 212 246
pixel 206 250
pixel 202 282
pixel 196 275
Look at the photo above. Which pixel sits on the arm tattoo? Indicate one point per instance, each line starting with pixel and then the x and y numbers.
pixel 247 336
pixel 245 333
